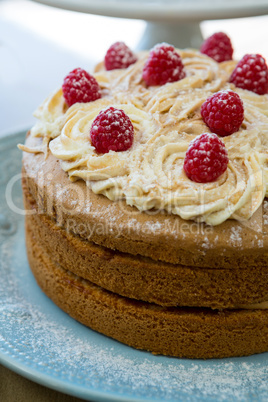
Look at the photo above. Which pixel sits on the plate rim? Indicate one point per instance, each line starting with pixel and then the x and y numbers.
pixel 61 386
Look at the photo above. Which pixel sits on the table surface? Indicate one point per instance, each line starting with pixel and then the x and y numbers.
pixel 33 62
pixel 14 388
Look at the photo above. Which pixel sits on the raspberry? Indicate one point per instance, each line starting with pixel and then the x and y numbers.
pixel 206 158
pixel 112 130
pixel 251 73
pixel 79 86
pixel 223 112
pixel 163 65
pixel 119 56
pixel 218 47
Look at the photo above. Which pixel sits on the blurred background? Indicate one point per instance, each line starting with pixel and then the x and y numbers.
pixel 40 44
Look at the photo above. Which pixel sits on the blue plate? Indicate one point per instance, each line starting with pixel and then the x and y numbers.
pixel 42 343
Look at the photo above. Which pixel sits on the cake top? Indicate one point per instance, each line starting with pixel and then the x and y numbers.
pixel 149 172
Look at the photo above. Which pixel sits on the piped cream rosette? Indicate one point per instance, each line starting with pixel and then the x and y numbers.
pixel 150 174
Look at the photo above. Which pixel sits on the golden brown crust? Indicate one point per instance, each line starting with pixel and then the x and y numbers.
pixel 143 278
pixel 182 332
pixel 159 236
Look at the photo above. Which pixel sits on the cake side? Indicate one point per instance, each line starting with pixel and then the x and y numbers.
pixel 142 278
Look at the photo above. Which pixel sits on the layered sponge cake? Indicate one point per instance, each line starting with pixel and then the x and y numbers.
pixel 144 186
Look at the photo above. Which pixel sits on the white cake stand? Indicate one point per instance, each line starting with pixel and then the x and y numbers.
pixel 171 21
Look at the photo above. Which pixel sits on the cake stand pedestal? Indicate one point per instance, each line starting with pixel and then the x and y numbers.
pixel 181 35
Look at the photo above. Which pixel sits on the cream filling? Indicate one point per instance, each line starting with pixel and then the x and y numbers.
pixel 165 119
pixel 256 306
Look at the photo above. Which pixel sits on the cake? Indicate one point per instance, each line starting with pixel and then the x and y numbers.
pixel 122 239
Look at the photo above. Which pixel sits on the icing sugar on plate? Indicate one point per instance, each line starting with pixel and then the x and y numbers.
pixel 43 343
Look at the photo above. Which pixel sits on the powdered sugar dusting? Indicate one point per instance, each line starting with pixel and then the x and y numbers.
pixel 235 236
pixel 265 216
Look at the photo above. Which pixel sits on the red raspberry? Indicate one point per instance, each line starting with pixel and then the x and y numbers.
pixel 223 112
pixel 111 130
pixel 119 56
pixel 79 86
pixel 206 158
pixel 163 65
pixel 251 73
pixel 218 46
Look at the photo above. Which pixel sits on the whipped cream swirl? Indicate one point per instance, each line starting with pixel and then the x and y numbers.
pixel 150 174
